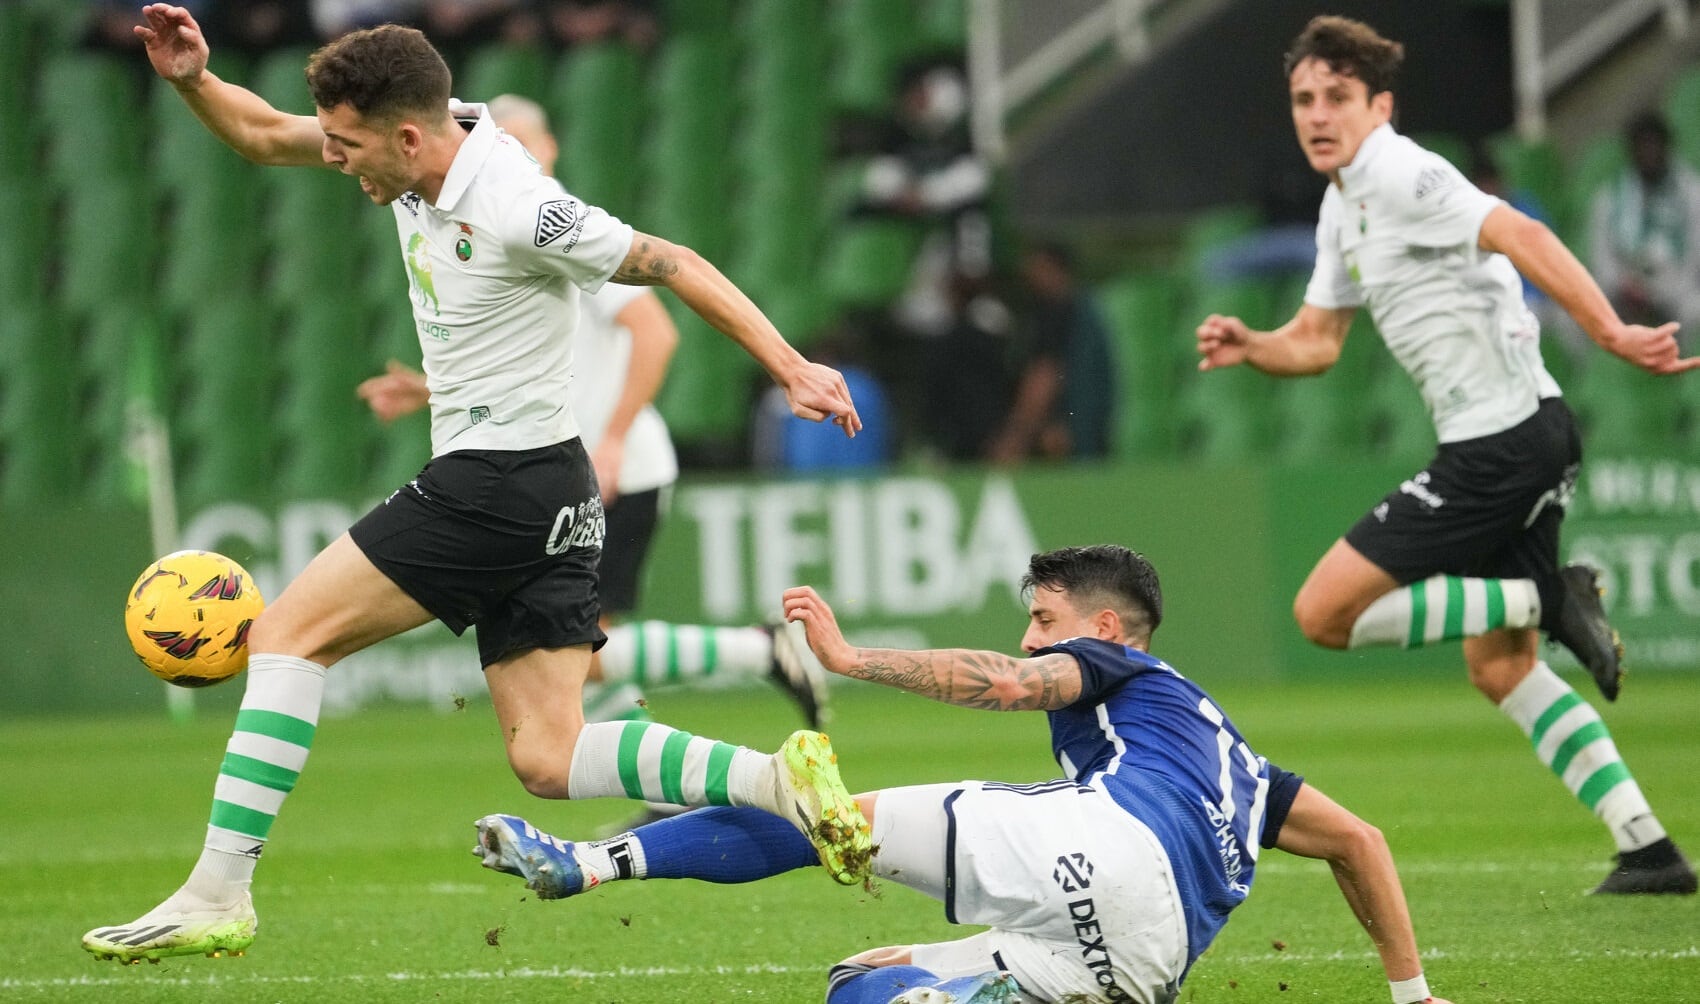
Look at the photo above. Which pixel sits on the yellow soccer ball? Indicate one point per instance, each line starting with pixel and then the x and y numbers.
pixel 188 617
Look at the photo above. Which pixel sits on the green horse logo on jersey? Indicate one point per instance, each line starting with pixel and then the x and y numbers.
pixel 419 274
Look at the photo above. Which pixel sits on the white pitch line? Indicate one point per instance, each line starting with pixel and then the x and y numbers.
pixel 649 972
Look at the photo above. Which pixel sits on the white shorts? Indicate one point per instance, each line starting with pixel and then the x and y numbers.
pixel 1078 893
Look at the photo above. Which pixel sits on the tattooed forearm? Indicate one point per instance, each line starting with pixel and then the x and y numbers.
pixel 650 262
pixel 985 680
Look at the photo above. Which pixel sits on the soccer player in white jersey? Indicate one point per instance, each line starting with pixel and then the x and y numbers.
pixel 1467 548
pixel 624 341
pixel 1104 885
pixel 501 530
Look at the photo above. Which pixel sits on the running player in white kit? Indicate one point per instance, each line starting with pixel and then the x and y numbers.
pixel 1468 547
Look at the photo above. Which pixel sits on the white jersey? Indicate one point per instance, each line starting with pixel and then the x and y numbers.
pixel 1400 233
pixel 604 352
pixel 495 268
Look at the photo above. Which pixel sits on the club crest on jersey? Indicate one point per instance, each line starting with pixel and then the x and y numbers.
pixel 463 243
pixel 557 219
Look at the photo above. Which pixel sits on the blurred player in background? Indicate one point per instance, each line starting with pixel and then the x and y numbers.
pixel 503 528
pixel 624 342
pixel 1105 885
pixel 1467 548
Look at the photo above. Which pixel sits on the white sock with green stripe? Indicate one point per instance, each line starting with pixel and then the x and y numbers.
pixel 651 653
pixel 274 731
pixel 658 763
pixel 614 702
pixel 1447 608
pixel 1573 742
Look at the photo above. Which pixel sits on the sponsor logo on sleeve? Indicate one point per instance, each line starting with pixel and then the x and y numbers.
pixel 558 219
pixel 1431 180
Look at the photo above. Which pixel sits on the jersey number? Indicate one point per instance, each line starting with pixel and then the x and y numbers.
pixel 1226 747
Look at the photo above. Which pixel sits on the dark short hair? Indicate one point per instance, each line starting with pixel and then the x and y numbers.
pixel 1350 48
pixel 1104 576
pixel 387 72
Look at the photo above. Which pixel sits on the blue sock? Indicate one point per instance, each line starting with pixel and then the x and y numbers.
pixel 724 844
pixel 853 983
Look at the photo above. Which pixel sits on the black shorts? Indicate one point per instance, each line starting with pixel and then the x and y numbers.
pixel 504 540
pixel 1488 507
pixel 631 528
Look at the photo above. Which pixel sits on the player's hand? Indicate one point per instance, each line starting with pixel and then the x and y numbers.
pixel 606 460
pixel 803 604
pixel 175 45
pixel 1653 349
pixel 399 391
pixel 816 391
pixel 1222 341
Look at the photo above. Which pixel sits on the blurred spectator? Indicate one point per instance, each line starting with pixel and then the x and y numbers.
pixel 1065 394
pixel 250 26
pixel 461 23
pixel 333 18
pixel 781 441
pixel 1645 234
pixel 929 172
pixel 963 376
pixel 576 22
pixel 950 330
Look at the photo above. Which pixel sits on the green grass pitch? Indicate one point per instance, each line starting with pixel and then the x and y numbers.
pixel 369 892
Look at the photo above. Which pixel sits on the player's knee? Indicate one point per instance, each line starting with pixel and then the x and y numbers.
pixel 545 777
pixel 1320 622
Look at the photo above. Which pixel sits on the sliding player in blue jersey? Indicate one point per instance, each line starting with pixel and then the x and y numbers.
pixel 1104 885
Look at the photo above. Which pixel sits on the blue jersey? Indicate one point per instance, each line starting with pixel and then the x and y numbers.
pixel 1158 745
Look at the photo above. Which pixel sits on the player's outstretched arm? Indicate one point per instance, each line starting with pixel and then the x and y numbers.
pixel 990 681
pixel 1306 345
pixel 237 116
pixel 814 391
pixel 1318 827
pixel 1544 260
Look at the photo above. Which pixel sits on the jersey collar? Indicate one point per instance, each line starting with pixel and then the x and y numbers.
pixel 470 157
pixel 1368 150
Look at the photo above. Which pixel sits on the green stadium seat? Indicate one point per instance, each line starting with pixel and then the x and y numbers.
pixel 1455 149
pixel 1214 228
pixel 1221 417
pixel 90 100
pixel 324 429
pixel 707 394
pixel 280 76
pixel 941 24
pixel 1601 159
pixel 870 40
pixel 500 68
pixel 1622 410
pixel 1395 422
pixel 23 265
pixel 1142 311
pixel 697 16
pixel 222 422
pixel 1533 167
pixel 107 243
pixel 590 101
pixel 18 121
pixel 867 262
pixel 1682 110
pixel 40 428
